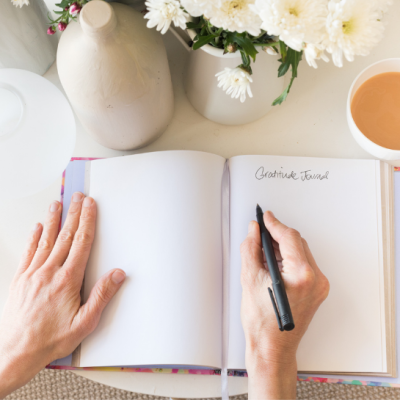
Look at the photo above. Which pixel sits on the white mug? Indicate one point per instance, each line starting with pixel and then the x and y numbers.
pixel 383 153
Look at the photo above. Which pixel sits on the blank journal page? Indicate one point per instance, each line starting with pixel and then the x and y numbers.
pixel 335 205
pixel 159 219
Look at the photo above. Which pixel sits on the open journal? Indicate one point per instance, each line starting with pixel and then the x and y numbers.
pixel 174 221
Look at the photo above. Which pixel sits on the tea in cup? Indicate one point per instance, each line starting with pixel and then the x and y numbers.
pixel 373 109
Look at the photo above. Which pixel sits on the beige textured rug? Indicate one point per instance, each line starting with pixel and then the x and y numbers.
pixel 64 385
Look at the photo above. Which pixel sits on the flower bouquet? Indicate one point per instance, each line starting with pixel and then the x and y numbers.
pixel 69 12
pixel 284 28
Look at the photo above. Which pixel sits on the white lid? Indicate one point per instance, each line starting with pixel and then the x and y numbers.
pixel 37 133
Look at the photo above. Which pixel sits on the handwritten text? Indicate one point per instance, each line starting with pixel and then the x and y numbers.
pixel 307 175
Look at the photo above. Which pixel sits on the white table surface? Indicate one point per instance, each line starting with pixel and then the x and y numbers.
pixel 312 122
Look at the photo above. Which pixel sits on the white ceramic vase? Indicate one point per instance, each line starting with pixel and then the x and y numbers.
pixel 212 102
pixel 116 75
pixel 24 43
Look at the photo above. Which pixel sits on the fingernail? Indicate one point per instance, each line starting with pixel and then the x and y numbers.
pixel 271 213
pixel 36 227
pixel 54 206
pixel 250 227
pixel 87 202
pixel 118 276
pixel 77 197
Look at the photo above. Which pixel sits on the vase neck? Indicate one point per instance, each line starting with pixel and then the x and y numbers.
pixel 98 19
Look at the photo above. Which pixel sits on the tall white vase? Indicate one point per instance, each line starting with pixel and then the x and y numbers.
pixel 116 75
pixel 213 103
pixel 24 43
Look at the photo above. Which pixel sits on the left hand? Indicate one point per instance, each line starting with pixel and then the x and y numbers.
pixel 43 318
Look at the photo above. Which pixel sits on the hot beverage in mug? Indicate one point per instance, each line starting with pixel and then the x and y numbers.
pixel 375 109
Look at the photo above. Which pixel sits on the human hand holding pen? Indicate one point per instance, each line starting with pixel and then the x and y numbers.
pixel 270 353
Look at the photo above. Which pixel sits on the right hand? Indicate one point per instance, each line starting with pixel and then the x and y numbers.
pixel 267 348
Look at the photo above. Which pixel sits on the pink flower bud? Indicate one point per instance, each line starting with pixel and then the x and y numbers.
pixel 62 26
pixel 51 30
pixel 75 9
pixel 66 8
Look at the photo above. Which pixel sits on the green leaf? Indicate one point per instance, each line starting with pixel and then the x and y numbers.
pixel 194 25
pixel 270 44
pixel 229 37
pixel 203 40
pixel 283 68
pixel 282 50
pixel 296 61
pixel 246 44
pixel 284 94
pixel 293 59
pixel 203 31
pixel 63 4
pixel 52 21
pixel 245 58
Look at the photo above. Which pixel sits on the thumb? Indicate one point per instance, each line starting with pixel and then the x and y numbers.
pixel 104 290
pixel 289 240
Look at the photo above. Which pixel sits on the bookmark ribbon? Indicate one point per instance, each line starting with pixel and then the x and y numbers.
pixel 225 279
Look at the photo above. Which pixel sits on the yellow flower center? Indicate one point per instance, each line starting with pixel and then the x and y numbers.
pixel 231 7
pixel 348 27
pixel 293 11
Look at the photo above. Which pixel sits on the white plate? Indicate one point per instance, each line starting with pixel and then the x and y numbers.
pixel 37 133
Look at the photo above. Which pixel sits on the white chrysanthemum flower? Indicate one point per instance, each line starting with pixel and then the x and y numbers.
pixel 197 8
pixel 20 3
pixel 236 82
pixel 383 5
pixel 313 52
pixel 236 15
pixel 162 12
pixel 353 28
pixel 294 21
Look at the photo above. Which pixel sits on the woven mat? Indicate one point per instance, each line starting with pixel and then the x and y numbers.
pixel 64 385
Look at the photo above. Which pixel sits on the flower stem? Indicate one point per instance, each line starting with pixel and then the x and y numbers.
pixel 271 44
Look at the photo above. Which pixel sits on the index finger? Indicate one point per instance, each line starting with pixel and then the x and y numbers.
pixel 83 239
pixel 290 242
pixel 252 254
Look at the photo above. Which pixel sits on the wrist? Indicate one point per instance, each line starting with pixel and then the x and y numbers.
pixel 8 376
pixel 16 370
pixel 275 352
pixel 271 377
pixel 271 362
